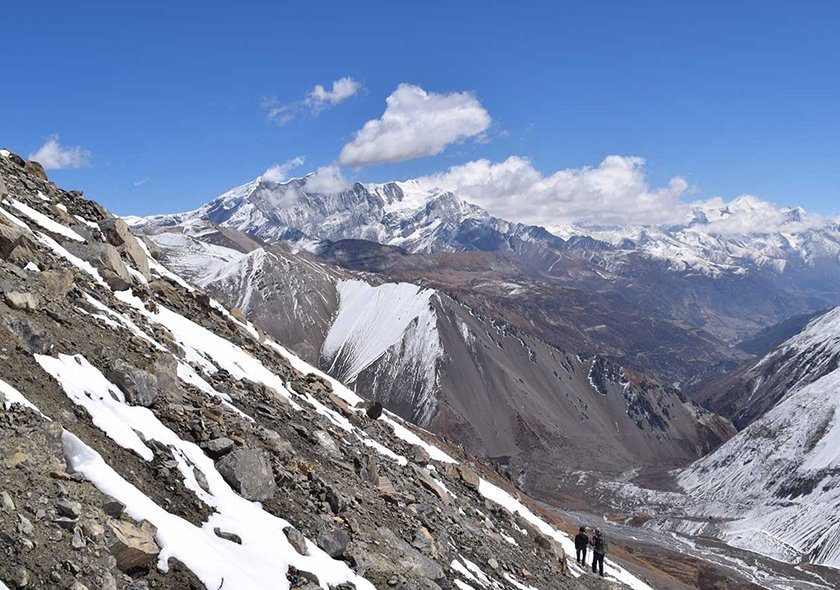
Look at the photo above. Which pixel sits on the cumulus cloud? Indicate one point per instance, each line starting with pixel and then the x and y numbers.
pixel 416 123
pixel 315 101
pixel 280 172
pixel 327 180
pixel 54 156
pixel 614 192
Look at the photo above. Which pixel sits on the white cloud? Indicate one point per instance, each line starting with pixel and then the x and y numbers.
pixel 327 180
pixel 416 123
pixel 54 156
pixel 614 192
pixel 141 182
pixel 315 101
pixel 342 89
pixel 280 172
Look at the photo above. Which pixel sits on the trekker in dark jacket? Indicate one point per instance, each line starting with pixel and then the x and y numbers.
pixel 599 550
pixel 581 543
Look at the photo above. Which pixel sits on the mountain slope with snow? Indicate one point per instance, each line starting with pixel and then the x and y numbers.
pixel 498 391
pixel 152 437
pixel 774 489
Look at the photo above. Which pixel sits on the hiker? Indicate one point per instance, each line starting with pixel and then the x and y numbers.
pixel 599 550
pixel 581 543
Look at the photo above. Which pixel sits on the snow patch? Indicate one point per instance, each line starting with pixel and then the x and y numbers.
pixel 45 222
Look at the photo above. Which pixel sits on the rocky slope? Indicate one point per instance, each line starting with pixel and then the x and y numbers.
pixel 152 438
pixel 541 414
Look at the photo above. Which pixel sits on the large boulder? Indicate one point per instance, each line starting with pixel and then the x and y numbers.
pixel 107 261
pixel 132 545
pixel 117 233
pixel 58 283
pixel 35 169
pixel 15 245
pixel 21 300
pixel 34 337
pixel 333 542
pixel 249 472
pixel 140 387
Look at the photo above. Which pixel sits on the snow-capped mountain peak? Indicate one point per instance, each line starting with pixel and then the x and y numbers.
pixel 717 239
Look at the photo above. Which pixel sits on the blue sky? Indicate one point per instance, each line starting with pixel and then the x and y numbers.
pixel 169 97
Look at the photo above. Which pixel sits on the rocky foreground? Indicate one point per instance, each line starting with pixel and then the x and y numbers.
pixel 151 438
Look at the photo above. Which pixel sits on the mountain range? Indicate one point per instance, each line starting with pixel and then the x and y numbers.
pixel 152 437
pixel 366 387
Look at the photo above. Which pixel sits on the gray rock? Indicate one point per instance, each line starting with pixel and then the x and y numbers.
pixel 140 387
pixel 232 537
pixel 6 502
pixel 19 577
pixel 368 470
pixel 106 259
pixel 373 410
pixel 217 447
pixel 69 508
pixel 327 442
pixel 35 339
pixel 468 476
pixel 108 582
pixel 25 526
pixel 116 231
pixel 58 283
pixel 425 542
pixel 277 444
pixel 35 169
pixel 338 502
pixel 113 508
pixel 166 371
pixel 296 540
pixel 333 542
pixel 249 472
pixel 11 237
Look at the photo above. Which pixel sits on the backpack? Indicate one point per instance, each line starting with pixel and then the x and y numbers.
pixel 601 545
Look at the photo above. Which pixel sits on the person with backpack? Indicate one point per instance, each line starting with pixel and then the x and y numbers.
pixel 581 543
pixel 599 550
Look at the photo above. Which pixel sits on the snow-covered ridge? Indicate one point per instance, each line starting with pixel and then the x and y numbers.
pixel 372 319
pixel 716 239
pixel 776 485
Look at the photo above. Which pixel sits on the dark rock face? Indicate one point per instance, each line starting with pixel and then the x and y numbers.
pixel 248 471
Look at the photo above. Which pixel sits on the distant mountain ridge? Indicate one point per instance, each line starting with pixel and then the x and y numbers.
pixel 407 214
